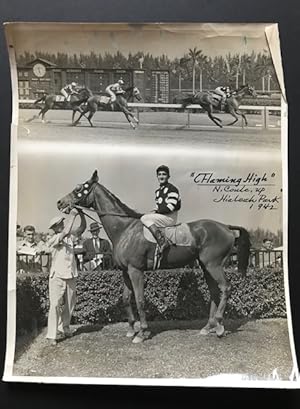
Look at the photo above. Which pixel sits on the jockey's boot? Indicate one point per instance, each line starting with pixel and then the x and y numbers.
pixel 161 239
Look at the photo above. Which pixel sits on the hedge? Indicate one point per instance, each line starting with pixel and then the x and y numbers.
pixel 169 294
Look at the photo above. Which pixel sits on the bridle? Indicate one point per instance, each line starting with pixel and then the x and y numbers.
pixel 86 189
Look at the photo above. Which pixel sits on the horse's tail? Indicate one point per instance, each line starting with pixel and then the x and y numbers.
pixel 243 248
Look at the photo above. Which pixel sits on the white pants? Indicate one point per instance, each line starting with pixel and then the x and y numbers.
pixel 112 95
pixel 65 94
pixel 160 220
pixel 62 296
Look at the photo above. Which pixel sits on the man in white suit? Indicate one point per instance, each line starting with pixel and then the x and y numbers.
pixel 63 273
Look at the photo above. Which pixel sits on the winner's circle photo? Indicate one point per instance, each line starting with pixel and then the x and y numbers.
pixel 148 235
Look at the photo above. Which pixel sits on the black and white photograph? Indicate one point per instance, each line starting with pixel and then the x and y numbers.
pixel 148 226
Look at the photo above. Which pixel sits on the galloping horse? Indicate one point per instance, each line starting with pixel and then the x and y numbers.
pixel 212 243
pixel 51 100
pixel 208 100
pixel 102 101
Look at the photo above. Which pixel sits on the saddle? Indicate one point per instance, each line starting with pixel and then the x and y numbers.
pixel 178 235
pixel 104 99
pixel 59 98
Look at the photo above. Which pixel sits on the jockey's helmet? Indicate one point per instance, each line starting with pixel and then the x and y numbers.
pixel 73 84
pixel 121 82
pixel 163 168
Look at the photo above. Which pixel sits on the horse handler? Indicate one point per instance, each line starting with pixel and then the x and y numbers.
pixel 63 273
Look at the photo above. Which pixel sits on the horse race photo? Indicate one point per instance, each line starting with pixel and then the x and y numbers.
pixel 148 221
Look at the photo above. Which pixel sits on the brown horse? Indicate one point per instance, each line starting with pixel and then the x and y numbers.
pixel 102 102
pixel 208 100
pixel 212 243
pixel 50 102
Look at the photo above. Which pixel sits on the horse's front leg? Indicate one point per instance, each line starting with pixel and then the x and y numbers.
pixel 74 123
pixel 129 116
pixel 215 119
pixel 43 112
pixel 90 116
pixel 73 116
pixel 137 281
pixel 244 117
pixel 234 114
pixel 127 299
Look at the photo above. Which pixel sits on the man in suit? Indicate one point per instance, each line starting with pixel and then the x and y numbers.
pixel 96 251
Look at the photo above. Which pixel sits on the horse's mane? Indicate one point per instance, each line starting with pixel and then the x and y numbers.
pixel 128 211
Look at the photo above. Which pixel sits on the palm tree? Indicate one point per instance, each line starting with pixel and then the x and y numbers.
pixel 194 56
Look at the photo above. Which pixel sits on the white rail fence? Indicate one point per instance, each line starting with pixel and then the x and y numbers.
pixel 141 106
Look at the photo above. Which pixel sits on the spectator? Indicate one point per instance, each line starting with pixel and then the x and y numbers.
pixel 96 251
pixel 78 251
pixel 267 244
pixel 29 251
pixel 267 256
pixel 63 273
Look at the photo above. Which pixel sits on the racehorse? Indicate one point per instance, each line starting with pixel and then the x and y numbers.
pixel 51 100
pixel 208 100
pixel 212 243
pixel 121 104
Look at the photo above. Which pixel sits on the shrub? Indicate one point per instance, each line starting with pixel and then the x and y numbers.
pixel 169 294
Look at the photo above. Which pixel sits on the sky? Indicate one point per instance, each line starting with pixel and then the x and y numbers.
pixel 173 40
pixel 45 177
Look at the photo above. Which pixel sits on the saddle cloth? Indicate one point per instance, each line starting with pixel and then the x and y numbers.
pixel 59 98
pixel 179 235
pixel 103 99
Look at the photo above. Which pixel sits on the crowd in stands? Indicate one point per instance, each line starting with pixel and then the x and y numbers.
pixel 34 255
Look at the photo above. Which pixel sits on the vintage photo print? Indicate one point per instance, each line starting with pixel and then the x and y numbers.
pixel 148 217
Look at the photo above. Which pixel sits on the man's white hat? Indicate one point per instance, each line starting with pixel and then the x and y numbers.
pixel 74 84
pixel 121 82
pixel 56 220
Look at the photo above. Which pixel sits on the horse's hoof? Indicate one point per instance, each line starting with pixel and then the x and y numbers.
pixel 204 331
pixel 207 330
pixel 130 333
pixel 138 339
pixel 220 330
pixel 141 337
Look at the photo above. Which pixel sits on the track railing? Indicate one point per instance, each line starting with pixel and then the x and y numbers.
pixel 141 106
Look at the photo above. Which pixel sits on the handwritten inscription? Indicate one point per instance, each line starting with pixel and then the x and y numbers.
pixel 253 190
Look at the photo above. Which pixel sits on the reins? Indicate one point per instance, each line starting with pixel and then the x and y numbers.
pixel 100 214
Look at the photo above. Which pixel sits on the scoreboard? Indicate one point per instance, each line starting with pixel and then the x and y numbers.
pixel 160 86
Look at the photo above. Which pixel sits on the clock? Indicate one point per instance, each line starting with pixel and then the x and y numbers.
pixel 39 70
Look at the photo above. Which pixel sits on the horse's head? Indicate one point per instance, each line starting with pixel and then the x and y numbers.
pixel 133 92
pixel 82 195
pixel 83 91
pixel 136 93
pixel 249 90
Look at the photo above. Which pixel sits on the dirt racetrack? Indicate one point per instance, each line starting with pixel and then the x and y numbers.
pixel 177 350
pixel 157 128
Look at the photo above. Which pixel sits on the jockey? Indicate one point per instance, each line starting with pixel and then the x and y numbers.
pixel 224 92
pixel 168 202
pixel 68 90
pixel 114 89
